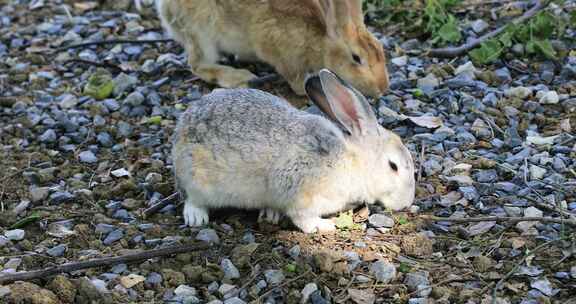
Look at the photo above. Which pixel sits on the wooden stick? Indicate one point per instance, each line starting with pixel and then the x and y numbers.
pixel 510 220
pixel 450 52
pixel 94 63
pixel 258 82
pixel 128 258
pixel 111 41
pixel 161 204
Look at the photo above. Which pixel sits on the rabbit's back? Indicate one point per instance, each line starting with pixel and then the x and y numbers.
pixel 255 124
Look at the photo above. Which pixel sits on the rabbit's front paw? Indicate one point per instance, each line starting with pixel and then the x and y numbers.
pixel 194 216
pixel 269 215
pixel 311 225
pixel 235 78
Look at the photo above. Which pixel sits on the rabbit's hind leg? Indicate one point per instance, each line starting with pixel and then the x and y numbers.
pixel 193 215
pixel 203 56
pixel 269 215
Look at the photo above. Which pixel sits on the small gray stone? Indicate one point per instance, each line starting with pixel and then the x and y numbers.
pixel 123 82
pixel 230 271
pixel 120 268
pixel 428 83
pixel 479 26
pixel 104 228
pixel 518 92
pixel 248 238
pixel 4 291
pixel 381 220
pixel 550 97
pixel 418 301
pixel 481 129
pixel 57 251
pixel 113 236
pixel 400 61
pixel 465 137
pixel 87 157
pixel 49 136
pixel 153 278
pixel 60 197
pixel 68 101
pixel 13 263
pixel 208 235
pixel 134 99
pixel 153 178
pixel 227 290
pixel 185 291
pixel 274 276
pixel 536 172
pixel 383 271
pixel 432 167
pixel 307 291
pixel 573 272
pixel 4 241
pixel 544 286
pixel 486 176
pixel 503 74
pixel 294 252
pixel 38 194
pixel 15 234
pixel 105 139
pixel 415 279
pixel 234 300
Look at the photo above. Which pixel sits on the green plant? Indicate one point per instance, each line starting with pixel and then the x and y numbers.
pixel 435 21
pixel 535 35
pixel 441 24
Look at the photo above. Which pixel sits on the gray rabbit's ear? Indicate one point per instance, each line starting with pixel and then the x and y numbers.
pixel 314 90
pixel 348 106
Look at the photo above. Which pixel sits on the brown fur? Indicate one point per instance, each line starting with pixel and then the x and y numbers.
pixel 297 37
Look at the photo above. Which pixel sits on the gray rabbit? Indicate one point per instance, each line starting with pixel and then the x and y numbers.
pixel 245 148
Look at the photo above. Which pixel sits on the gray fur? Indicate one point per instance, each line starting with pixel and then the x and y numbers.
pixel 267 134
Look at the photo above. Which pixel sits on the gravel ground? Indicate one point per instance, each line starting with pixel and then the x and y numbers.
pixel 84 149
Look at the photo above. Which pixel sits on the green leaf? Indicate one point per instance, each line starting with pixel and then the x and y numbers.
pixel 545 47
pixel 155 120
pixel 100 85
pixel 449 32
pixel 530 47
pixel 418 93
pixel 402 220
pixel 488 51
pixel 544 25
pixel 404 267
pixel 290 268
pixel 34 217
pixel 345 220
pixel 506 38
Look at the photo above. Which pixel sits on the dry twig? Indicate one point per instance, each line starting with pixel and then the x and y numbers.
pixel 515 268
pixel 161 204
pixel 450 52
pixel 111 41
pixel 128 258
pixel 510 220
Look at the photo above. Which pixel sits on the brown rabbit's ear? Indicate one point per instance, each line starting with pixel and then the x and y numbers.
pixel 327 13
pixel 355 11
pixel 347 106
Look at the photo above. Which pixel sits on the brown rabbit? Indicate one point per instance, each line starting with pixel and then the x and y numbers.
pixel 297 37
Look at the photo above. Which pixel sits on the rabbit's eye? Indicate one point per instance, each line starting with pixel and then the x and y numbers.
pixel 357 59
pixel 393 166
